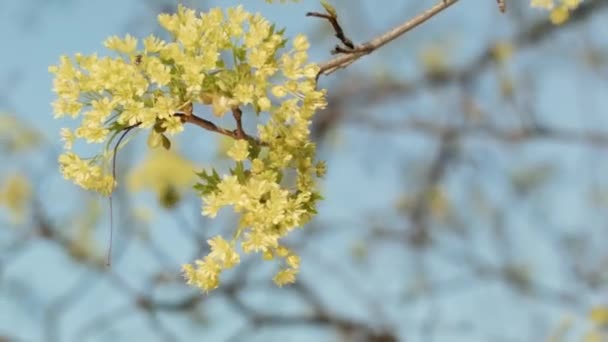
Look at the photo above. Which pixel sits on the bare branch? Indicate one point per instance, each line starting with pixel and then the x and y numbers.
pixel 210 126
pixel 367 48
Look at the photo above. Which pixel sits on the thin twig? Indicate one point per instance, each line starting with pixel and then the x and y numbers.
pixel 366 48
pixel 502 6
pixel 126 130
pixel 210 126
pixel 333 20
pixel 238 114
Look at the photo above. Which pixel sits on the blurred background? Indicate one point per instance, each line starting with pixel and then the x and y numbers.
pixel 466 197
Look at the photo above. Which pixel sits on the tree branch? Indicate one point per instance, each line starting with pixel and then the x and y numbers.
pixel 210 126
pixel 372 45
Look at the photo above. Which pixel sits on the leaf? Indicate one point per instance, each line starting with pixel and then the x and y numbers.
pixel 240 54
pixel 329 8
pixel 158 127
pixel 210 182
pixel 254 150
pixel 169 197
pixel 154 139
pixel 166 142
pixel 239 172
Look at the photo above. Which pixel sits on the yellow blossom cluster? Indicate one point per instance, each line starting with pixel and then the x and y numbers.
pixel 228 61
pixel 560 12
pixel 85 173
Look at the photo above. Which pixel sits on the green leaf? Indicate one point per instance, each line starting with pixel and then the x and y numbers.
pixel 169 197
pixel 239 172
pixel 209 182
pixel 166 142
pixel 158 127
pixel 254 150
pixel 240 54
pixel 279 176
pixel 283 43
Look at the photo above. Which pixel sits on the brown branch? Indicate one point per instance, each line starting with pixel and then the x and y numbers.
pixel 502 6
pixel 372 45
pixel 210 126
pixel 238 114
pixel 506 135
pixel 360 90
pixel 333 20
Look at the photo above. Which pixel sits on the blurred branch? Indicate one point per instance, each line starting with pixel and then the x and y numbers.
pixel 515 135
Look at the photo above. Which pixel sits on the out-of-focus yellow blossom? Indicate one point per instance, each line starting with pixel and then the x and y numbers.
pixel 546 4
pixel 594 336
pixel 285 276
pixel 83 245
pixel 502 51
pixel 560 9
pixel 166 173
pixel 229 61
pixel 16 135
pixel 434 60
pixel 559 15
pixel 599 315
pixel 15 194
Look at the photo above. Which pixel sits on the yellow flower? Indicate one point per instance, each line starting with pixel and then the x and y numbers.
pixel 224 60
pixel 221 104
pixel 264 104
pixel 239 150
pixel 285 276
pixel 85 173
pixel 68 138
pixel 293 261
pixel 300 43
pixel 126 45
pixel 571 4
pixel 259 242
pixel 559 15
pixel 546 4
pixel 157 71
pixel 173 125
pixel 205 275
pixel 223 252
